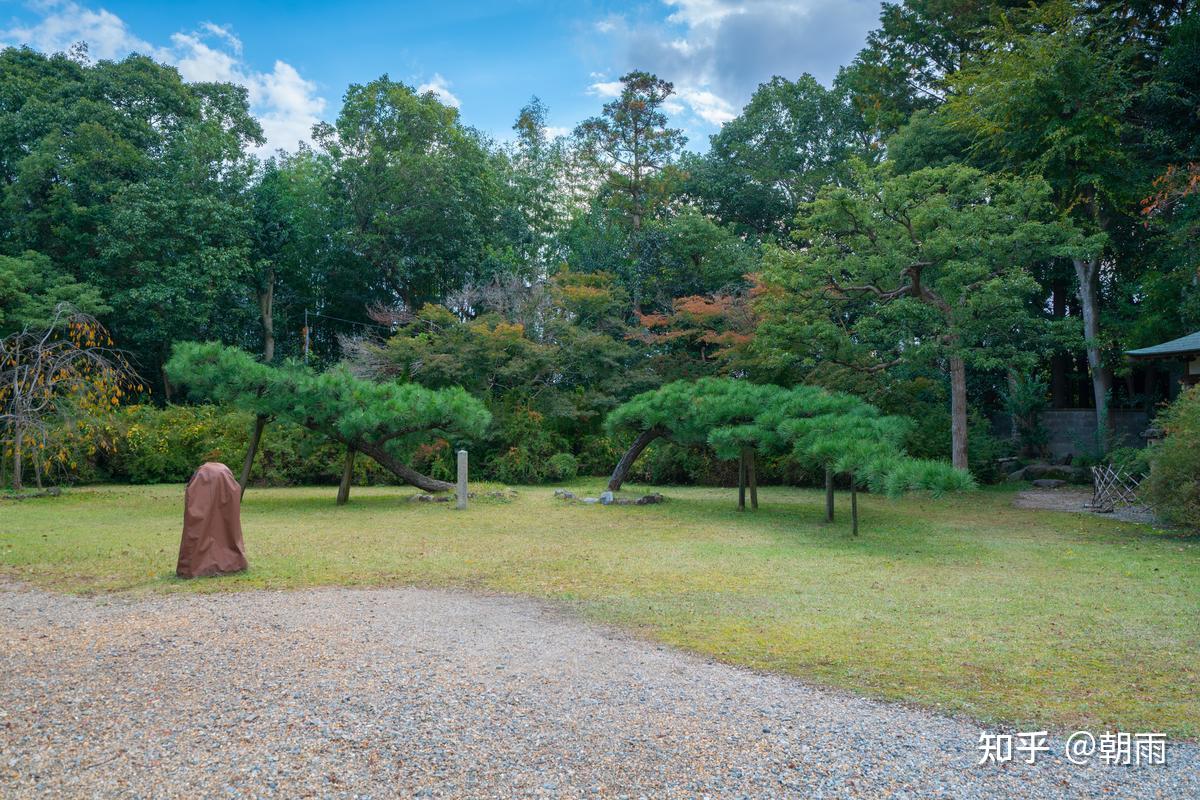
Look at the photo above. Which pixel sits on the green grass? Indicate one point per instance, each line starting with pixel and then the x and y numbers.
pixel 966 604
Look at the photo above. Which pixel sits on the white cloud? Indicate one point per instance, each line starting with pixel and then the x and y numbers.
pixel 286 104
pixel 440 87
pixel 66 23
pixel 605 89
pixel 702 12
pixel 555 131
pixel 717 52
pixel 223 32
pixel 709 107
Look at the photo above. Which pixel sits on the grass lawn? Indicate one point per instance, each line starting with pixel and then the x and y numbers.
pixel 1029 617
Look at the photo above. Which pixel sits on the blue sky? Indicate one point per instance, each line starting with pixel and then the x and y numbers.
pixel 488 58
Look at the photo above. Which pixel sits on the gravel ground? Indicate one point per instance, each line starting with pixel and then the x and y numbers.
pixel 411 692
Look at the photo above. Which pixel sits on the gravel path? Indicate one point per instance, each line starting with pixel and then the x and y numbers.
pixel 409 692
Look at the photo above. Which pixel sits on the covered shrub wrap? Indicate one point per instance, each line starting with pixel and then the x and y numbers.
pixel 377 419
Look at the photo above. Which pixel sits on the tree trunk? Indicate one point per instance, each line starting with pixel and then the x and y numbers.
pixel 18 443
pixel 752 474
pixel 828 494
pixel 266 301
pixel 742 480
pixel 958 411
pixel 853 504
pixel 1088 274
pixel 631 455
pixel 1059 362
pixel 401 470
pixel 260 422
pixel 343 495
pixel 166 383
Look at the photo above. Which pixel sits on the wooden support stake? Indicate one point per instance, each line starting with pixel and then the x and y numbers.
pixel 853 504
pixel 462 480
pixel 752 469
pixel 828 494
pixel 742 481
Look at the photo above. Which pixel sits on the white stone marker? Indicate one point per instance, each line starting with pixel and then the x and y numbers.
pixel 462 479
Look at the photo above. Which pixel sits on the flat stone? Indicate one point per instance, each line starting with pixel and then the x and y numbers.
pixel 606 498
pixel 1049 483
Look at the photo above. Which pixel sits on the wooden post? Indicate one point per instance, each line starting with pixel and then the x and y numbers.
pixel 462 480
pixel 828 494
pixel 343 495
pixel 742 480
pixel 752 469
pixel 853 504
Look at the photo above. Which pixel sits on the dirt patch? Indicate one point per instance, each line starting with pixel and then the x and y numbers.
pixel 1064 499
pixel 1077 499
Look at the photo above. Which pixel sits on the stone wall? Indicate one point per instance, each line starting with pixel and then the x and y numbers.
pixel 1073 430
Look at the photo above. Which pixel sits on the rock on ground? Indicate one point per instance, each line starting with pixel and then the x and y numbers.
pixel 410 692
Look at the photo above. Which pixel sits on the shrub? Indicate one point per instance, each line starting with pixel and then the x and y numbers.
pixel 597 455
pixel 563 467
pixel 146 444
pixel 1027 397
pixel 1134 460
pixel 517 465
pixel 1174 483
pixel 153 445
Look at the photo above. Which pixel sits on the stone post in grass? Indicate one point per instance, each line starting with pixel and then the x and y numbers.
pixel 462 480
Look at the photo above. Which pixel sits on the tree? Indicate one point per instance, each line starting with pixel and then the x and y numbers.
pixel 537 198
pixel 930 264
pixel 685 412
pixel 908 58
pixel 1071 86
pixel 177 249
pixel 632 148
pixel 547 360
pixel 833 430
pixel 47 371
pixel 791 139
pixel 375 419
pixel 419 190
pixel 686 253
pixel 703 335
pixel 32 290
pixel 129 180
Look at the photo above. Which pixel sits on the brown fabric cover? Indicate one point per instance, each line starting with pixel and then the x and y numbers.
pixel 212 526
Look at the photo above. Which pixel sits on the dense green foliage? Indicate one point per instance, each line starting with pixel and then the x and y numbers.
pixel 333 401
pixel 148 444
pixel 1174 483
pixel 384 421
pixel 815 427
pixel 983 193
